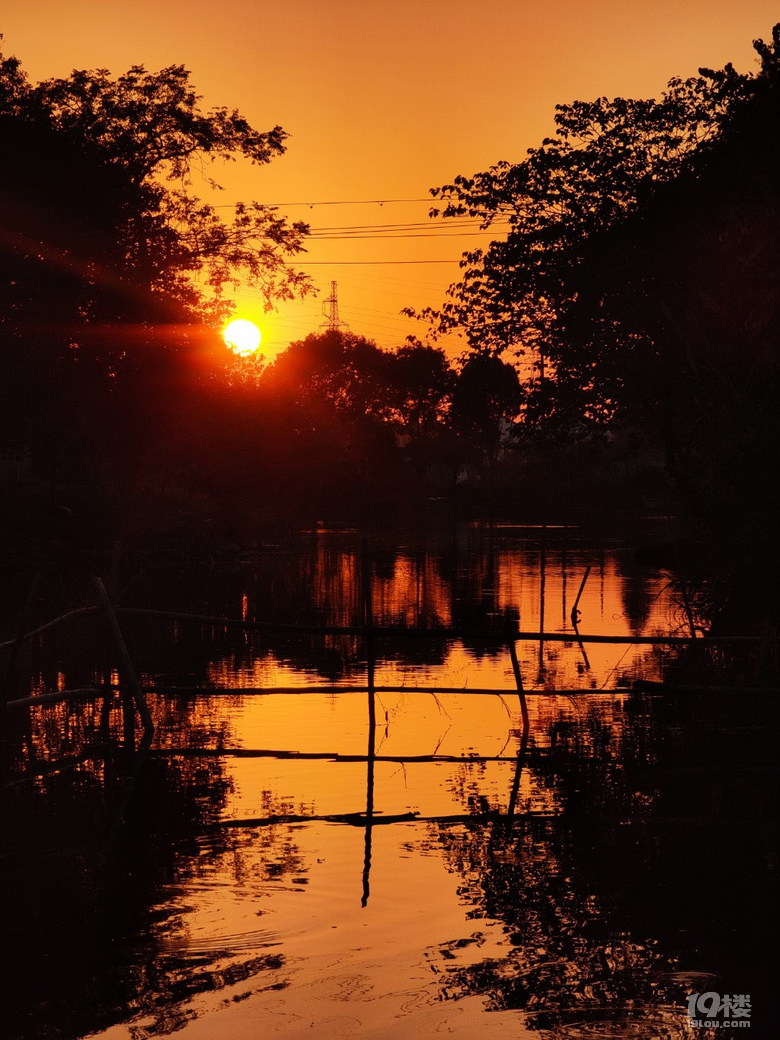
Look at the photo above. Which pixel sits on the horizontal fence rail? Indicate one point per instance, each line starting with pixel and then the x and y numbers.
pixel 500 636
pixel 505 637
pixel 640 686
pixel 129 694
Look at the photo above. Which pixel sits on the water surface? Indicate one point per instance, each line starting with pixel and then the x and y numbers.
pixel 265 867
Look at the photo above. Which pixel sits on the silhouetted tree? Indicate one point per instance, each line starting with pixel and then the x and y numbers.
pixel 486 399
pixel 102 324
pixel 352 401
pixel 151 127
pixel 694 271
pixel 339 369
pixel 419 390
pixel 606 161
pixel 420 385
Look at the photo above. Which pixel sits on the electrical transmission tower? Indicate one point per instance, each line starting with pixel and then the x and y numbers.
pixel 330 310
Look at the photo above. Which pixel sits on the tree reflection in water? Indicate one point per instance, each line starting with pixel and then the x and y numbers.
pixel 632 895
pixel 100 888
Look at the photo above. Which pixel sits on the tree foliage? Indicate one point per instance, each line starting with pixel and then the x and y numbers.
pixel 642 265
pixel 150 126
pixel 562 285
pixel 486 399
pixel 113 269
pixel 339 370
pixel 407 390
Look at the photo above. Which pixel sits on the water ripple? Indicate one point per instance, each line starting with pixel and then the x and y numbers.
pixel 217 945
pixel 655 1023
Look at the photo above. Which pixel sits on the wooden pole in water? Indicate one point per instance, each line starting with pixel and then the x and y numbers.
pixel 125 663
pixel 542 579
pixel 582 647
pixel 526 726
pixel 518 773
pixel 370 759
pixel 368 621
pixel 575 617
pixel 519 682
pixel 575 614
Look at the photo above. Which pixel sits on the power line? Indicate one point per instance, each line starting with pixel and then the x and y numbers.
pixel 407 225
pixel 344 263
pixel 338 202
pixel 352 202
pixel 327 237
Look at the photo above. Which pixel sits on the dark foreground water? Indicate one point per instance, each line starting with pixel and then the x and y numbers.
pixel 269 866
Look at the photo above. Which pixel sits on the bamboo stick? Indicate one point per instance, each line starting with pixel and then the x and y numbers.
pixel 329 756
pixel 434 633
pixel 495 635
pixel 57 697
pixel 640 686
pixel 455 819
pixel 50 624
pixel 124 657
pixel 368 619
pixel 519 684
pixel 575 614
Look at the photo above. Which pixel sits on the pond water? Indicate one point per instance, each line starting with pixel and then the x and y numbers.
pixel 272 865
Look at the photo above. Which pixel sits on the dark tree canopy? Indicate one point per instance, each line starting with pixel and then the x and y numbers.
pixel 603 161
pixel 641 266
pixel 151 128
pixel 337 370
pixel 421 387
pixel 408 388
pixel 486 399
pixel 569 283
pixel 113 271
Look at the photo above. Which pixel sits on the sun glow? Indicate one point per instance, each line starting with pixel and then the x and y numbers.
pixel 242 336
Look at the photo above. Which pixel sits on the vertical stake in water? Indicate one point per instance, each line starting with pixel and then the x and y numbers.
pixel 542 578
pixel 575 614
pixel 575 618
pixel 368 622
pixel 526 724
pixel 518 680
pixel 126 670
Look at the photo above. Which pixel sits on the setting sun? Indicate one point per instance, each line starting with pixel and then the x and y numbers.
pixel 242 336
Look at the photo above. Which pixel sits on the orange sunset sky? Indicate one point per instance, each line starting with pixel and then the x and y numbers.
pixel 382 101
